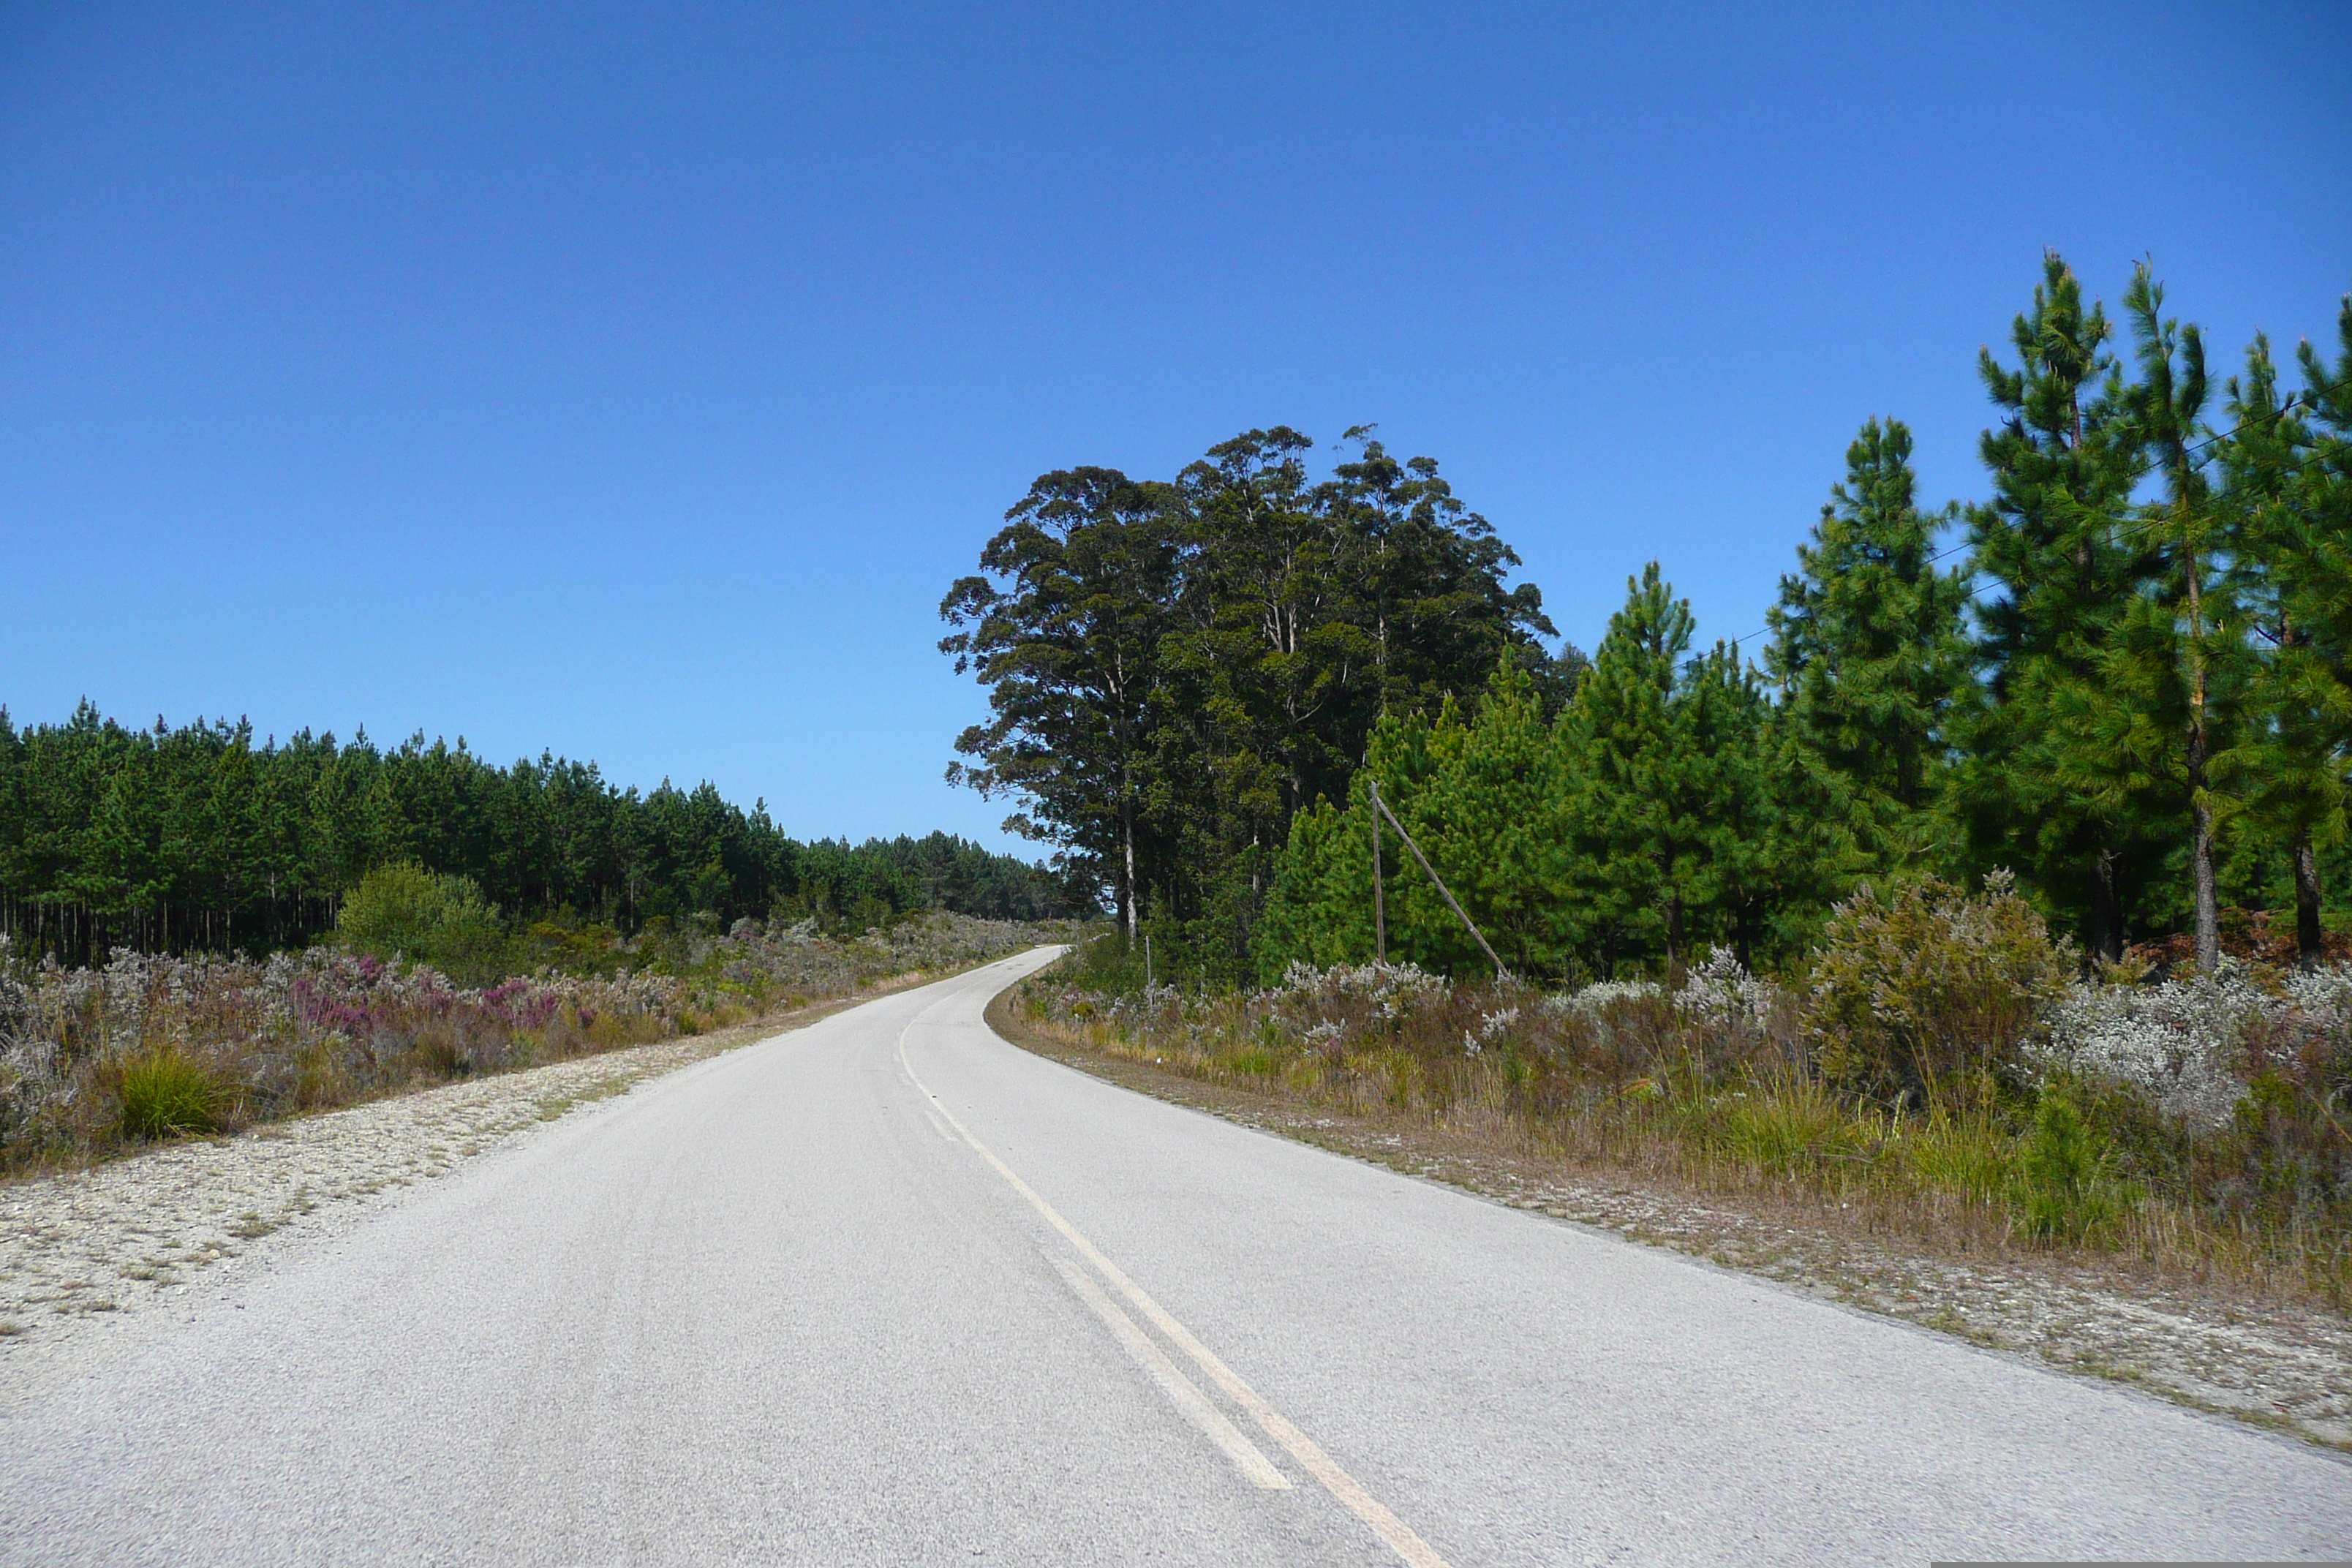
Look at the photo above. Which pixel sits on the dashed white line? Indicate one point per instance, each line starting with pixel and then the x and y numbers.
pixel 1399 1536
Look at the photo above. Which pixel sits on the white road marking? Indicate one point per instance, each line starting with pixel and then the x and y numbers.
pixel 1397 1535
pixel 1246 1455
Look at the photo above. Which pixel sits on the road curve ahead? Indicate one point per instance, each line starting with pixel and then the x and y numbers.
pixel 889 1291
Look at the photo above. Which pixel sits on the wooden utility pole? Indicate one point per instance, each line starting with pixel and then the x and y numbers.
pixel 1380 809
pixel 1380 892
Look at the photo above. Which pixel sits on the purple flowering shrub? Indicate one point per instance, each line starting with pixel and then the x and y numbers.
pixel 258 1039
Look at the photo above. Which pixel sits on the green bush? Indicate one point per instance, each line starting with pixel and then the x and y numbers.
pixel 405 910
pixel 167 1094
pixel 1923 998
pixel 2061 1171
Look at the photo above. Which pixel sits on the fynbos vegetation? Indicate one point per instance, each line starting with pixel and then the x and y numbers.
pixel 151 1047
pixel 1938 1066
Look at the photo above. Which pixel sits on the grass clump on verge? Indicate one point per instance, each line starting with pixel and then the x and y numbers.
pixel 166 1094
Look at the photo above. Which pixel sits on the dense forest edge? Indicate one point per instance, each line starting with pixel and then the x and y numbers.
pixel 198 838
pixel 200 933
pixel 2123 677
pixel 2007 897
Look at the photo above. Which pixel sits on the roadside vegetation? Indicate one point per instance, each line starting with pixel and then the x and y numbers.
pixel 1942 1070
pixel 420 983
pixel 2004 901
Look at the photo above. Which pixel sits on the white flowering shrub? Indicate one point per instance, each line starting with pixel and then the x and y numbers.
pixel 1720 990
pixel 2188 1044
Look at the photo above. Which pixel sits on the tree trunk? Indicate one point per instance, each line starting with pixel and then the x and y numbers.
pixel 2200 855
pixel 2310 941
pixel 2107 914
pixel 2200 807
pixel 1129 896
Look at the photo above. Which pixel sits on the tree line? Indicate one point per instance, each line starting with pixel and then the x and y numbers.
pixel 198 838
pixel 2124 676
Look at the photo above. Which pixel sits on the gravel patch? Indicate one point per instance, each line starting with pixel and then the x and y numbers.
pixel 93 1260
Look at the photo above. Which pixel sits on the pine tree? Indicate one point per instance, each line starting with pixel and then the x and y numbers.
pixel 2076 810
pixel 1870 652
pixel 1618 733
pixel 2184 622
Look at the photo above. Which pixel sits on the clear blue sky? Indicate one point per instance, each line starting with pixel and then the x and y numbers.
pixel 632 381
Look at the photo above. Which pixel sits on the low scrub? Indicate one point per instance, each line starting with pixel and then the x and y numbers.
pixel 1938 1069
pixel 152 1047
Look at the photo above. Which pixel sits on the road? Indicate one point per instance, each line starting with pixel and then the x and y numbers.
pixel 889 1291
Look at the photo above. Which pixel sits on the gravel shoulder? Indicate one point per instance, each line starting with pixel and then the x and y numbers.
pixel 2279 1365
pixel 93 1262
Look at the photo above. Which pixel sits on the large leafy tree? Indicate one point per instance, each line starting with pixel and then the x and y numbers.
pixel 1177 670
pixel 1069 649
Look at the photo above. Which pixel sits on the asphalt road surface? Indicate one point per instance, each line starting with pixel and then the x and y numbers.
pixel 889 1291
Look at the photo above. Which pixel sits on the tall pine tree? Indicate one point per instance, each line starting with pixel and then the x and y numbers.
pixel 1870 650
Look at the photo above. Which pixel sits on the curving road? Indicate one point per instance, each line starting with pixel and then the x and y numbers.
pixel 889 1291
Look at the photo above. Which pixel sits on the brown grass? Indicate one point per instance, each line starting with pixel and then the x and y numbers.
pixel 1769 1140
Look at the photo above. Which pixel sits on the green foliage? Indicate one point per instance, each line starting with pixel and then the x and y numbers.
pixel 1639 824
pixel 405 910
pixel 1923 996
pixel 2061 1188
pixel 1788 1126
pixel 167 839
pixel 2158 727
pixel 1178 670
pixel 167 1094
pixel 1872 657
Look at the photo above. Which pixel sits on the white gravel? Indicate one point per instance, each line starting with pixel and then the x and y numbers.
pixel 92 1259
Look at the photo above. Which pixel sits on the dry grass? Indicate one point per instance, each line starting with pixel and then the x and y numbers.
pixel 94 1063
pixel 1642 1089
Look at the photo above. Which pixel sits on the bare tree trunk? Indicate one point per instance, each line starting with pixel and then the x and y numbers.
pixel 2201 852
pixel 2310 941
pixel 2108 918
pixel 1131 897
pixel 2201 805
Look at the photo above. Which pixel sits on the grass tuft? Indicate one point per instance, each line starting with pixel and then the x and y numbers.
pixel 168 1095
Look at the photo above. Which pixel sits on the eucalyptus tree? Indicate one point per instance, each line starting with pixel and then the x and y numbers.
pixel 1069 649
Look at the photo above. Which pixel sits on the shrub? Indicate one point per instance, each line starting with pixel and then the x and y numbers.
pixel 1923 998
pixel 168 1095
pixel 2060 1171
pixel 402 910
